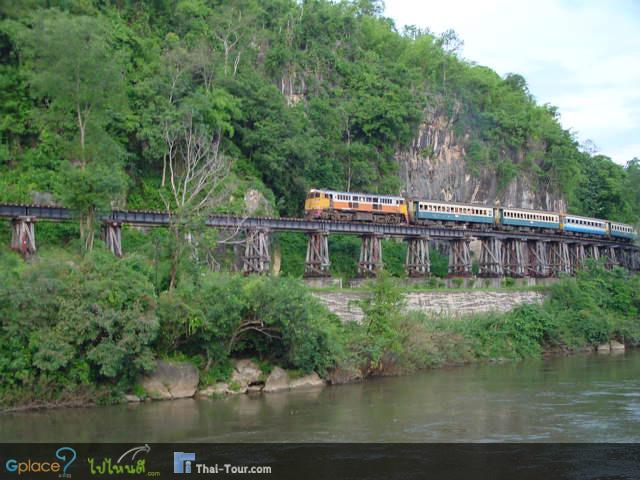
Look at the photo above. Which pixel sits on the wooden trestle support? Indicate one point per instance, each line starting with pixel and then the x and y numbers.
pixel 537 263
pixel 459 258
pixel 634 260
pixel 23 236
pixel 317 262
pixel 629 258
pixel 112 236
pixel 558 256
pixel 256 259
pixel 370 262
pixel 417 263
pixel 514 257
pixel 609 255
pixel 577 256
pixel 490 263
pixel 592 252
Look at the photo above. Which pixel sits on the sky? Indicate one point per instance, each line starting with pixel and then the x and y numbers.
pixel 581 56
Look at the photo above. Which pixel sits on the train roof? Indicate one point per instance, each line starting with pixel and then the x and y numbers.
pixel 395 197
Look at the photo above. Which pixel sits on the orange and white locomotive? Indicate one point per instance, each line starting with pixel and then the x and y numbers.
pixel 350 206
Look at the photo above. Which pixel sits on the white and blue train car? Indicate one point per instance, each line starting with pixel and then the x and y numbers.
pixel 519 217
pixel 622 230
pixel 451 212
pixel 584 225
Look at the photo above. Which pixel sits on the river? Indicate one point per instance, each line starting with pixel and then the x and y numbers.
pixel 582 398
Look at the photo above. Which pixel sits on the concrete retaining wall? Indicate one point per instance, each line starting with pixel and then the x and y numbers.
pixel 345 304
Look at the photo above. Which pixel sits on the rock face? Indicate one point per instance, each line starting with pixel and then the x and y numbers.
pixel 245 374
pixel 311 380
pixel 217 389
pixel 247 378
pixel 256 204
pixel 340 375
pixel 171 380
pixel 435 167
pixel 611 347
pixel 616 346
pixel 277 381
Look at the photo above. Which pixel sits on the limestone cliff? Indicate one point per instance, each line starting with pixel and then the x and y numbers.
pixel 435 167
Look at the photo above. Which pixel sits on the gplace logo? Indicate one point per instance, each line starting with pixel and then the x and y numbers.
pixel 182 462
pixel 66 455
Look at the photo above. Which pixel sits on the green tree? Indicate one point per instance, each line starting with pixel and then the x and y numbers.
pixel 79 80
pixel 603 191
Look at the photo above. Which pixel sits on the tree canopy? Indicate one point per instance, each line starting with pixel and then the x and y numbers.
pixel 298 94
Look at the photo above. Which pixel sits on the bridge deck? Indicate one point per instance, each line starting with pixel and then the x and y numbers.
pixel 158 219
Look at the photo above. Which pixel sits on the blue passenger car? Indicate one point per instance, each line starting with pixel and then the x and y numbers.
pixel 621 230
pixel 519 217
pixel 586 225
pixel 450 212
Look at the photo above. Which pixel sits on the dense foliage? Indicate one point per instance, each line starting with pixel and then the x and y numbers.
pixel 297 94
pixel 69 323
pixel 223 315
pixel 86 328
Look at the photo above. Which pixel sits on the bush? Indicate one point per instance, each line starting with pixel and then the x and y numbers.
pixel 269 317
pixel 67 321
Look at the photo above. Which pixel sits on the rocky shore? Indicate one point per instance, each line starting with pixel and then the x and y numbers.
pixel 172 380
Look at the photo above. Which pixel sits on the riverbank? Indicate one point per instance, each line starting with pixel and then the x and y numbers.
pixel 89 330
pixel 577 398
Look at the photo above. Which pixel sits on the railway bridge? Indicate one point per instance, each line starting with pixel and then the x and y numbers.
pixel 502 254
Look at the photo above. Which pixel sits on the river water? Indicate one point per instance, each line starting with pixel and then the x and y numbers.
pixel 584 398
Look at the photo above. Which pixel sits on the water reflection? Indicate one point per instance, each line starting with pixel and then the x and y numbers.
pixel 582 399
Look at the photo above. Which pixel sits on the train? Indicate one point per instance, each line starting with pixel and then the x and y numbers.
pixel 397 210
